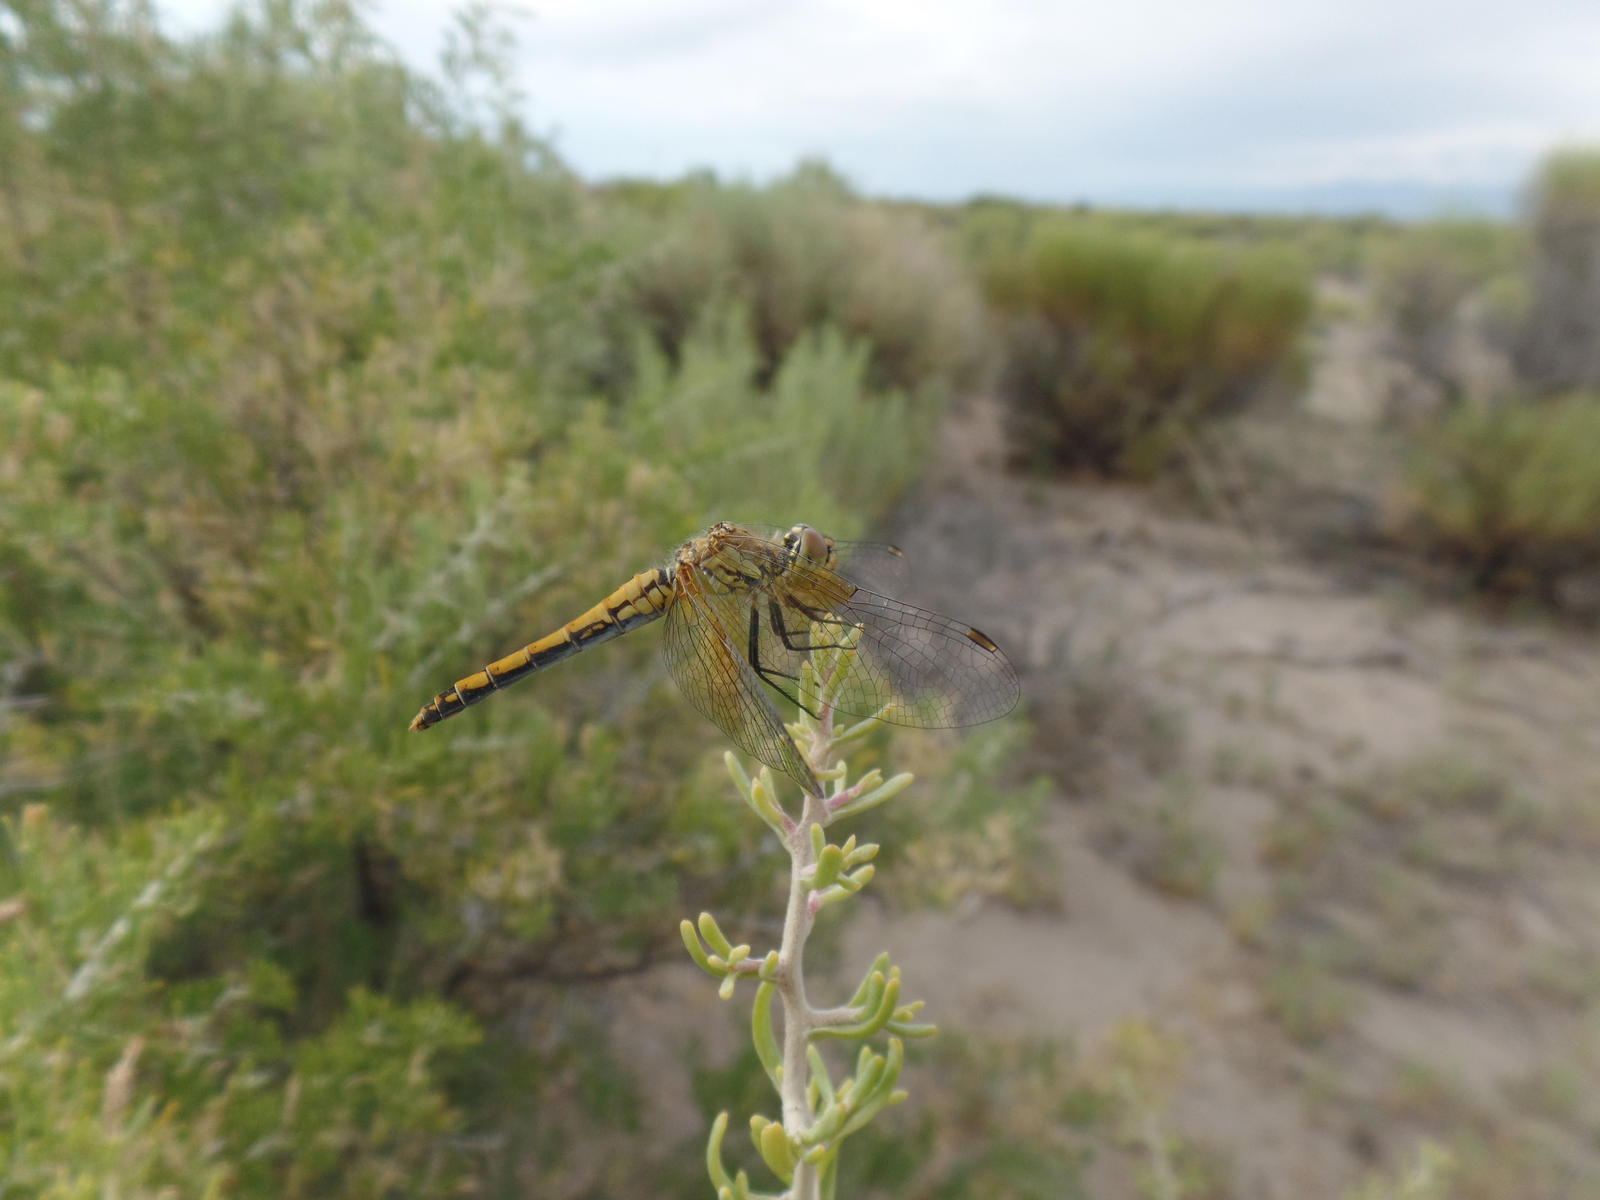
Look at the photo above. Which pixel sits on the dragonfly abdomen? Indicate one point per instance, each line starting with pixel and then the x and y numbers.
pixel 643 599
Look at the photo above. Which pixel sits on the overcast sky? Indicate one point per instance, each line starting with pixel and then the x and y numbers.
pixel 1342 104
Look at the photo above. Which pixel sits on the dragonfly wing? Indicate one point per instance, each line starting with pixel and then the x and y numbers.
pixel 879 566
pixel 938 672
pixel 926 669
pixel 720 683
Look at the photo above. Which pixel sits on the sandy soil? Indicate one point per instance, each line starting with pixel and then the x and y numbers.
pixel 1309 680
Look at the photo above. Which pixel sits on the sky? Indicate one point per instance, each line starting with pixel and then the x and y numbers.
pixel 1404 106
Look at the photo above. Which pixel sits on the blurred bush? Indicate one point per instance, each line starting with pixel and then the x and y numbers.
pixel 1425 279
pixel 1509 491
pixel 1341 246
pixel 799 255
pixel 1117 343
pixel 317 388
pixel 1502 480
pixel 1561 346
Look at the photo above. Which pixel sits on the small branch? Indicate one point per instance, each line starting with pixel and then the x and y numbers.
pixel 827 1018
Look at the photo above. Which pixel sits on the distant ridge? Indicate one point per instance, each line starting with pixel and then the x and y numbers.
pixel 1400 201
pixel 1404 201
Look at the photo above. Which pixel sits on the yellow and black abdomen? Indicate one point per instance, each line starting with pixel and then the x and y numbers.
pixel 644 598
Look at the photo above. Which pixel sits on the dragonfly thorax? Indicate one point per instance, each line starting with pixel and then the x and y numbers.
pixel 728 558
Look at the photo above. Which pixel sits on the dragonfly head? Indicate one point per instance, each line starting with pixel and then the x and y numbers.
pixel 805 542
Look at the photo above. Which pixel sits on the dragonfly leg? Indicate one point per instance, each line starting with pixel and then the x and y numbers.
pixel 786 685
pixel 802 643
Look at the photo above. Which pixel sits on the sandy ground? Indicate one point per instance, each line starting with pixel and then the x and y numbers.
pixel 1308 680
pixel 1285 678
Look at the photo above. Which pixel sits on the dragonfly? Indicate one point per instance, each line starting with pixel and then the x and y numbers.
pixel 744 607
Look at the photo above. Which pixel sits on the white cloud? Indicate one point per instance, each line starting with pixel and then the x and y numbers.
pixel 944 98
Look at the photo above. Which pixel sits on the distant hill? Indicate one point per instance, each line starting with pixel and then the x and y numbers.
pixel 1400 200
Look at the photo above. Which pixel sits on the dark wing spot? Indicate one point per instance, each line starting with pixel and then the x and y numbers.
pixel 983 640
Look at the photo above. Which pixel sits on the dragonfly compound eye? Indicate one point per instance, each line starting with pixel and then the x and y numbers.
pixel 813 546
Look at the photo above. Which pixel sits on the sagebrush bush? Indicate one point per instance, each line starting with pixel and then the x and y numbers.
pixel 1117 343
pixel 1560 348
pixel 802 254
pixel 1510 491
pixel 1423 279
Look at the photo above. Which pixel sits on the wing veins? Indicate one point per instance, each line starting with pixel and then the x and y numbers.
pixel 724 686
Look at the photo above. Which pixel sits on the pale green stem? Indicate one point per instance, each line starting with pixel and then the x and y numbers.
pixel 798 1018
pixel 792 992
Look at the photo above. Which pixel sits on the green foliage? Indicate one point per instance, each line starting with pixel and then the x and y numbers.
pixel 1428 1178
pixel 1118 342
pixel 111 1078
pixel 1568 182
pixel 988 229
pixel 1423 278
pixel 1477 1150
pixel 1561 346
pixel 955 842
pixel 1007 1120
pixel 1307 999
pixel 1023 1119
pixel 1015 1120
pixel 1343 246
pixel 818 1113
pixel 800 255
pixel 1169 844
pixel 1377 831
pixel 1511 492
pixel 310 402
pixel 1504 485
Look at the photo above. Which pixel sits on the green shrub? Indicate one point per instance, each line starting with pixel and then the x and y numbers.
pixel 111 1077
pixel 1118 343
pixel 990 229
pixel 1511 492
pixel 1342 246
pixel 1560 349
pixel 802 254
pixel 1425 275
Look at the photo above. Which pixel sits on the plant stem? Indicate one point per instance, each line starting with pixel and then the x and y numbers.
pixel 792 991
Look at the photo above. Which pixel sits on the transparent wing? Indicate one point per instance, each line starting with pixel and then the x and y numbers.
pixel 877 566
pixel 934 671
pixel 721 685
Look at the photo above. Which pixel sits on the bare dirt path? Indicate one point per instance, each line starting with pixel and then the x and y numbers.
pixel 1167 655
